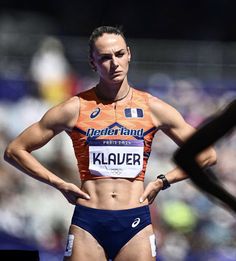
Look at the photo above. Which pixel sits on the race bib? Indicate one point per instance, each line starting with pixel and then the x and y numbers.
pixel 116 158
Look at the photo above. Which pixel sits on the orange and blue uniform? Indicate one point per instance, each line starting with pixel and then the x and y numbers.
pixel 113 141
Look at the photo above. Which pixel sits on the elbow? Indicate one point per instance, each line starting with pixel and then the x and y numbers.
pixel 212 160
pixel 215 159
pixel 9 154
pixel 207 159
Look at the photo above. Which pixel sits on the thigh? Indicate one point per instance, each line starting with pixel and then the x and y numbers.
pixel 83 246
pixel 142 247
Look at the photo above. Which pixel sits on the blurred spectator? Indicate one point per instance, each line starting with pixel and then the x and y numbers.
pixel 51 71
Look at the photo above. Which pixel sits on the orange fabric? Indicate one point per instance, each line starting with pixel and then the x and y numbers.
pixel 96 115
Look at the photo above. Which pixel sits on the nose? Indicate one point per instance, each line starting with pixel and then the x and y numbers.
pixel 114 62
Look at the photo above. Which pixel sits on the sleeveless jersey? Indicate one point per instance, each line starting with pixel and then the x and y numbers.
pixel 113 140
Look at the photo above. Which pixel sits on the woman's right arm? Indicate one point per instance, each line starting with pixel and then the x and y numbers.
pixel 18 152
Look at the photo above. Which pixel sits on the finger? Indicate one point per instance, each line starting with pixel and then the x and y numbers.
pixel 84 195
pixel 144 196
pixel 73 198
pixel 79 193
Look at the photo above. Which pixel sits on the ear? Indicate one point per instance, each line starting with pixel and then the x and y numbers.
pixel 129 53
pixel 92 64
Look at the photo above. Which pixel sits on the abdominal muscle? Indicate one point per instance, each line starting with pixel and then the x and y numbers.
pixel 112 193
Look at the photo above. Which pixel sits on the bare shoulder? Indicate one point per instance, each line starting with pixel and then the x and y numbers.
pixel 169 120
pixel 70 107
pixel 64 115
pixel 156 103
pixel 162 112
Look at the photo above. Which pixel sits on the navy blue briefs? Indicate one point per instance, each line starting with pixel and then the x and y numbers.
pixel 111 228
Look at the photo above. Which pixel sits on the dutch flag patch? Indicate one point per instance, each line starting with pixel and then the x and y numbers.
pixel 133 113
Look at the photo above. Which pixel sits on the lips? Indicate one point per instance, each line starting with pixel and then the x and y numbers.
pixel 115 73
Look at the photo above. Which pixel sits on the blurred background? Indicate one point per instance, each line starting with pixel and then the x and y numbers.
pixel 183 52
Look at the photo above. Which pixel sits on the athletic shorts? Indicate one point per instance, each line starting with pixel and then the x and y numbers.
pixel 111 228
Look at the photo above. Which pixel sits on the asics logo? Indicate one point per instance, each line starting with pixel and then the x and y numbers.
pixel 136 222
pixel 95 113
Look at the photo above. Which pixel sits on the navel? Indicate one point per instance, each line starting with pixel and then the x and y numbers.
pixel 113 194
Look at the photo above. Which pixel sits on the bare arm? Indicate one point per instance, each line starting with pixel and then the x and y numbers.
pixel 170 121
pixel 205 136
pixel 18 152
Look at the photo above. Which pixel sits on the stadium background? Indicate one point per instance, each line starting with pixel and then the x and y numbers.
pixel 182 52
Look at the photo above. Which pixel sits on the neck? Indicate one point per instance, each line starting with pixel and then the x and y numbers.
pixel 113 94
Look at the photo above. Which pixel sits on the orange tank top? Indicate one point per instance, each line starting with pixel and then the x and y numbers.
pixel 113 140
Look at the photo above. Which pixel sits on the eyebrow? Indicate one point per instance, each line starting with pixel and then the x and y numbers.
pixel 121 50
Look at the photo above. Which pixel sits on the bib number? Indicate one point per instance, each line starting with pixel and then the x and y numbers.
pixel 116 158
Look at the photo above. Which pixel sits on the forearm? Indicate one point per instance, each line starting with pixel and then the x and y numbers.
pixel 206 159
pixel 27 163
pixel 176 175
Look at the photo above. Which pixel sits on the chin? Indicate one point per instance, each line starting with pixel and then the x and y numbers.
pixel 117 79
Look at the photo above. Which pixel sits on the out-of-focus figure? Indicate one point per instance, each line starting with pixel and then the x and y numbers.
pixel 52 72
pixel 208 134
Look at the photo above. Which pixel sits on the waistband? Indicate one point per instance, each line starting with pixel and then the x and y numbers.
pixel 123 212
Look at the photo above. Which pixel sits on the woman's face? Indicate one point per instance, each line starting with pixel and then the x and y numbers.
pixel 110 58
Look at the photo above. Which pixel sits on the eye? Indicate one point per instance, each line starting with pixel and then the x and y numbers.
pixel 120 54
pixel 104 58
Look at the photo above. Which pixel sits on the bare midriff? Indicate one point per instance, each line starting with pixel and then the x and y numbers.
pixel 112 194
